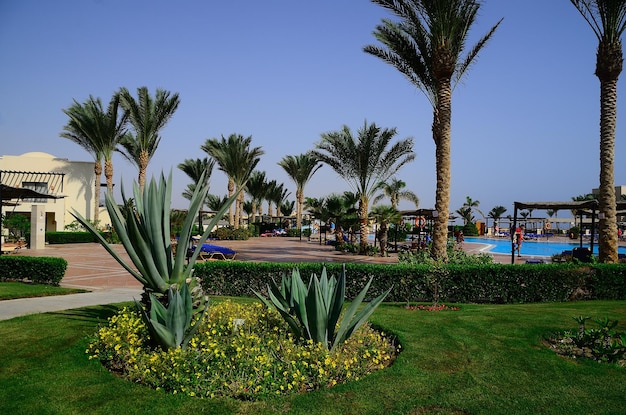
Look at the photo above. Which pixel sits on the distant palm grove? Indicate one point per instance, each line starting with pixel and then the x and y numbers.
pixel 427 42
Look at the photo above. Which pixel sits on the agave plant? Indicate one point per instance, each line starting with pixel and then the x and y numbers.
pixel 170 326
pixel 143 227
pixel 312 312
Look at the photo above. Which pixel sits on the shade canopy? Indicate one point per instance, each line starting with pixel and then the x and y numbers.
pixel 11 193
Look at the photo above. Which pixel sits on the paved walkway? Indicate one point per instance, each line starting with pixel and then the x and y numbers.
pixel 91 267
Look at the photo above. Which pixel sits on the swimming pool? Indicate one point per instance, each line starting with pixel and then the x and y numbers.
pixel 534 247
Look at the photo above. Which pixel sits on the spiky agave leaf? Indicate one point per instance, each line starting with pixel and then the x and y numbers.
pixel 143 228
pixel 352 321
pixel 170 326
pixel 313 311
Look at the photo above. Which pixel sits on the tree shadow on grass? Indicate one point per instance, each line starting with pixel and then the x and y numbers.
pixel 92 313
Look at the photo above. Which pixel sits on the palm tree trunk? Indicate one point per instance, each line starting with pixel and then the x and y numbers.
pixel 441 135
pixel 239 210
pixel 607 244
pixel 97 169
pixel 300 199
pixel 363 207
pixel 254 209
pixel 108 174
pixel 383 233
pixel 231 191
pixel 143 167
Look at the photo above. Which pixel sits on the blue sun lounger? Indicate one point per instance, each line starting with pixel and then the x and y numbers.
pixel 209 251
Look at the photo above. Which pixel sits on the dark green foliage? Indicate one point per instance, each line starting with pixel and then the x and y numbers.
pixel 470 229
pixel 487 283
pixel 40 270
pixel 241 234
pixel 69 237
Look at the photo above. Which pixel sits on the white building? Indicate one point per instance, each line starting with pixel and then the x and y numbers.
pixel 72 181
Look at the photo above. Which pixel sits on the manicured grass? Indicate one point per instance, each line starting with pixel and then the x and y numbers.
pixel 483 359
pixel 13 290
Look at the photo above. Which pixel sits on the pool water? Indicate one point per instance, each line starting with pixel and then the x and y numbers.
pixel 533 247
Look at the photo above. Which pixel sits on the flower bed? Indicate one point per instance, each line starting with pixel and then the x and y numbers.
pixel 432 307
pixel 242 351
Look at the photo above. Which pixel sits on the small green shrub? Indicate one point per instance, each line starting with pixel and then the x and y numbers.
pixel 602 344
pixel 69 237
pixel 40 270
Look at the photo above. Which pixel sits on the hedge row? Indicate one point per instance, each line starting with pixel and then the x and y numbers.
pixel 69 237
pixel 40 270
pixel 494 283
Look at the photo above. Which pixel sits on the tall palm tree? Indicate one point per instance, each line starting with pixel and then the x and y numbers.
pixel 393 190
pixel 197 169
pixel 147 117
pixel 607 19
pixel 384 215
pixel 237 160
pixel 364 162
pixel 300 168
pixel 98 132
pixel 426 47
pixel 257 189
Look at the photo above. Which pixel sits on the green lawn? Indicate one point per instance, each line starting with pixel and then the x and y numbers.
pixel 13 290
pixel 483 359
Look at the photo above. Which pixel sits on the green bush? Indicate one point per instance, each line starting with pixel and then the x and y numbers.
pixel 69 237
pixel 473 283
pixel 40 270
pixel 241 234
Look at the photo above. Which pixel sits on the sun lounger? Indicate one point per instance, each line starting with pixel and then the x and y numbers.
pixel 209 251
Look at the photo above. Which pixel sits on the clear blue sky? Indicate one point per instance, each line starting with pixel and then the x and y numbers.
pixel 525 119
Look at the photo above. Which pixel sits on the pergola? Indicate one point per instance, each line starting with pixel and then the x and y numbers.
pixel 10 196
pixel 585 207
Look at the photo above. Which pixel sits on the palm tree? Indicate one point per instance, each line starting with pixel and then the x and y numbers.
pixel 98 132
pixel 256 189
pixel 214 202
pixel 287 207
pixel 384 215
pixel 147 117
pixel 393 190
pixel 426 47
pixel 364 162
pixel 237 160
pixel 496 213
pixel 465 213
pixel 300 168
pixel 473 206
pixel 276 195
pixel 607 19
pixel 197 169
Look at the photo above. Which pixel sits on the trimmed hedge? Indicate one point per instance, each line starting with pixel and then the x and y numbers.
pixel 69 237
pixel 493 283
pixel 40 270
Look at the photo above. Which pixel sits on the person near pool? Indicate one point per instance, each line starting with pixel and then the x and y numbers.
pixel 519 237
